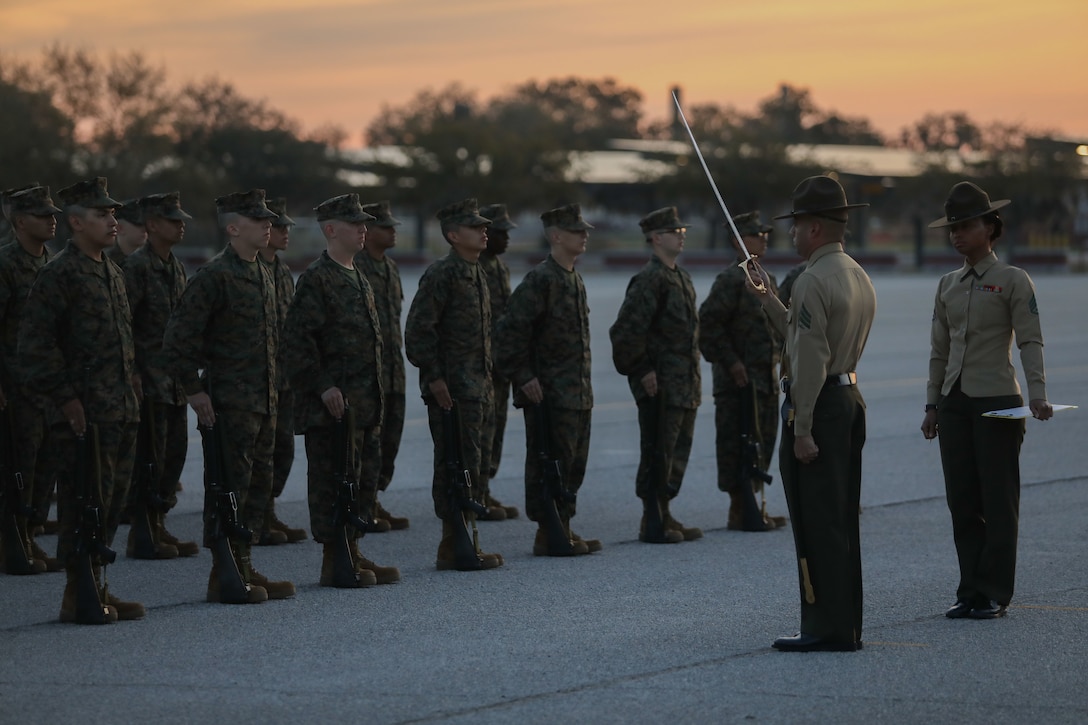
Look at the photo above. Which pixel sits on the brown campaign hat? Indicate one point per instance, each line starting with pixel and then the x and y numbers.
pixel 749 224
pixel 967 201
pixel 278 206
pixel 661 220
pixel 165 206
pixel 345 208
pixel 247 203
pixel 131 212
pixel 383 216
pixel 465 213
pixel 500 218
pixel 567 217
pixel 34 201
pixel 89 193
pixel 820 196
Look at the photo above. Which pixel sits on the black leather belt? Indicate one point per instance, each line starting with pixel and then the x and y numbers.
pixel 833 381
pixel 841 380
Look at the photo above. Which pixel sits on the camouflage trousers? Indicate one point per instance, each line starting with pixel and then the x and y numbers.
pixel 392 429
pixel 283 453
pixel 665 448
pixel 323 477
pixel 502 409
pixel 569 444
pixel 170 448
pixel 248 440
pixel 475 441
pixel 37 455
pixel 727 426
pixel 116 444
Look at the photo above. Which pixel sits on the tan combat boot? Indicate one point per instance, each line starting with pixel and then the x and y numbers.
pixel 364 578
pixel 689 533
pixel 540 545
pixel 68 613
pixel 395 522
pixel 671 536
pixel 382 574
pixel 273 523
pixel 34 565
pixel 126 611
pixel 511 512
pixel 162 549
pixel 256 594
pixel 275 589
pixel 50 563
pixel 447 560
pixel 185 548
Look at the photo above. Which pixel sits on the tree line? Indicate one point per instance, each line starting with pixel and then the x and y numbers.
pixel 72 113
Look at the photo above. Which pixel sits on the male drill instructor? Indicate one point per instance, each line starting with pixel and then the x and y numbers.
pixel 825 329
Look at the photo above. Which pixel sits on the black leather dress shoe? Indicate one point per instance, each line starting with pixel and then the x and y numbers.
pixel 810 643
pixel 960 610
pixel 987 610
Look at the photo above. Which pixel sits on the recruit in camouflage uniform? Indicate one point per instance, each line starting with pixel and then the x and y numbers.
pixel 76 351
pixel 542 347
pixel 448 337
pixel 785 290
pixel 155 280
pixel 274 531
pixel 131 234
pixel 498 285
pixel 384 278
pixel 226 326
pixel 7 223
pixel 33 219
pixel 333 354
pixel 740 342
pixel 655 343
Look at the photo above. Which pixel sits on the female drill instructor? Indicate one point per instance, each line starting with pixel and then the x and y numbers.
pixel 978 309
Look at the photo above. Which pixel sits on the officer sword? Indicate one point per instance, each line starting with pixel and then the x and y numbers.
pixel 748 258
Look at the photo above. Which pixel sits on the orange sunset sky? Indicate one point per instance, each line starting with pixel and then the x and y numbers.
pixel 338 61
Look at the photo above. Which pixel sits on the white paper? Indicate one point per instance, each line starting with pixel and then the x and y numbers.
pixel 1021 412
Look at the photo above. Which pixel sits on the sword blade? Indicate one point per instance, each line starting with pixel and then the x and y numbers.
pixel 710 178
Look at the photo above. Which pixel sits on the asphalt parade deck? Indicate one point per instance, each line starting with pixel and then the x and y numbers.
pixel 634 634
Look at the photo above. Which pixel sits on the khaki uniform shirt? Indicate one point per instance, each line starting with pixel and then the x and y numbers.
pixel 975 315
pixel 825 327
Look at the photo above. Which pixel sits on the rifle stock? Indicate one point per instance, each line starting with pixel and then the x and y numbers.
pixel 346 510
pixel 459 481
pixel 224 520
pixel 749 470
pixel 13 509
pixel 90 548
pixel 559 542
pixel 148 502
